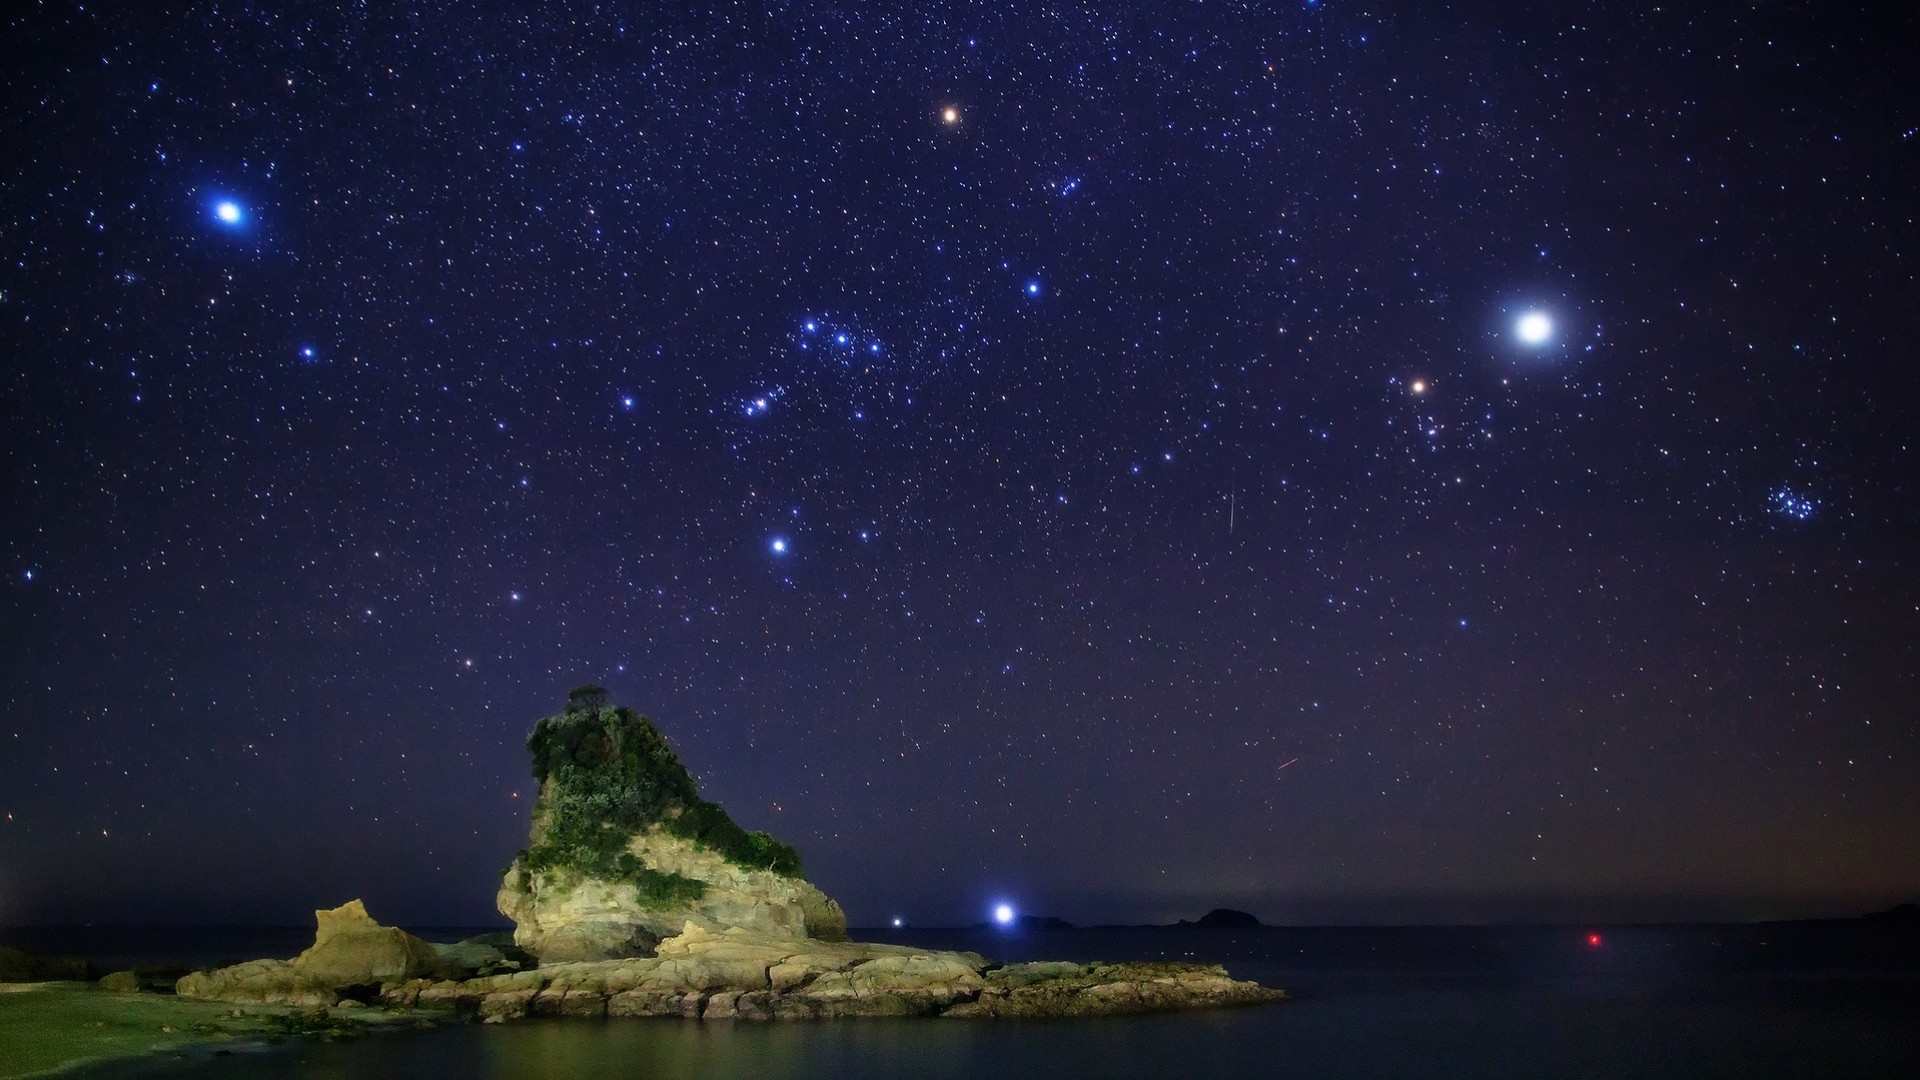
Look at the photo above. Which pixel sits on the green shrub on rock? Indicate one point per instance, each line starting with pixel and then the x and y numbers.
pixel 606 775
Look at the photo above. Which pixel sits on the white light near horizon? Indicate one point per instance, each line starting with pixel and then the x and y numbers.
pixel 1003 914
pixel 1533 328
pixel 898 922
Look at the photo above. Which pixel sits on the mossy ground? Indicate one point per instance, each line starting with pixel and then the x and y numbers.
pixel 46 1027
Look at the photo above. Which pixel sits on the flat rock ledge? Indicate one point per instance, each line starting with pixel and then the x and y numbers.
pixel 741 975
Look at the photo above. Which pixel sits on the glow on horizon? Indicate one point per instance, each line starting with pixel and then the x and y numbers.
pixel 1003 914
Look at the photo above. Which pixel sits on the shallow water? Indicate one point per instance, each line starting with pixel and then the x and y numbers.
pixel 1747 1002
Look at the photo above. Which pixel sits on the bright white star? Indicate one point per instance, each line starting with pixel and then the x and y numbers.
pixel 1003 914
pixel 1534 328
pixel 228 212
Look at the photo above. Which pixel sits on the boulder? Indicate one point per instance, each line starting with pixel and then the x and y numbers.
pixel 121 982
pixel 258 982
pixel 480 956
pixel 350 949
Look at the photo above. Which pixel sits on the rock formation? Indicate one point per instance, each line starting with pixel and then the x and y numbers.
pixel 624 852
pixel 640 899
pixel 351 955
pixel 350 949
pixel 742 975
pixel 735 974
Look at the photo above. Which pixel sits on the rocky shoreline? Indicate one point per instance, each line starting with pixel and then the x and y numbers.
pixel 701 974
pixel 636 897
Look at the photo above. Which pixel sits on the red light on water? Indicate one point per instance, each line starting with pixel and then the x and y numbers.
pixel 1593 941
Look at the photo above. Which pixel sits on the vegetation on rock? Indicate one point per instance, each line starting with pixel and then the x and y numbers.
pixel 606 775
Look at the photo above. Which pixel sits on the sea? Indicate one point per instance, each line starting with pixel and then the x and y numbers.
pixel 1826 999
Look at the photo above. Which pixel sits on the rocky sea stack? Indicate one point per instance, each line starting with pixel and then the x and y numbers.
pixel 624 852
pixel 635 897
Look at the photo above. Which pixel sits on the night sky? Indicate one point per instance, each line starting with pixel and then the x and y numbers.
pixel 1441 462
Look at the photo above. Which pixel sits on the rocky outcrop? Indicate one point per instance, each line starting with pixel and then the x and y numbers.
pixel 741 975
pixel 350 954
pixel 562 915
pixel 258 982
pixel 350 949
pixel 1061 989
pixel 488 954
pixel 623 852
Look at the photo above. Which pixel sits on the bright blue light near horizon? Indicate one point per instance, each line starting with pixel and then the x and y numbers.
pixel 898 922
pixel 1003 914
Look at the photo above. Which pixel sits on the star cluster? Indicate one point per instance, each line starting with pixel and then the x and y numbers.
pixel 1336 462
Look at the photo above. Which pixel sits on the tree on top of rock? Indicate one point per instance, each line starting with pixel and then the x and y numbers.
pixel 606 774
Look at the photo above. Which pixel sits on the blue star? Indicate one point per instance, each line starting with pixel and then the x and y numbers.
pixel 229 213
pixel 1033 288
pixel 778 545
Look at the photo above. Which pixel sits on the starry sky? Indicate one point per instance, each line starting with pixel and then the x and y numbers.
pixel 1351 463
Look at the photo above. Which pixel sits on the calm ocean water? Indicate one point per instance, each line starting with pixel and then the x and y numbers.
pixel 1752 1002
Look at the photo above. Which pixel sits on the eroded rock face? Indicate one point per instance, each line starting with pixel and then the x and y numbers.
pixel 351 949
pixel 258 982
pixel 563 916
pixel 741 975
pixel 1055 989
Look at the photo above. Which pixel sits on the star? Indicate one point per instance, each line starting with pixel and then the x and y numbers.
pixel 1417 387
pixel 229 212
pixel 950 116
pixel 778 545
pixel 1533 328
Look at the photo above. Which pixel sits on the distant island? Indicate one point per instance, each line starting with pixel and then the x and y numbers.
pixel 1901 914
pixel 1224 919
